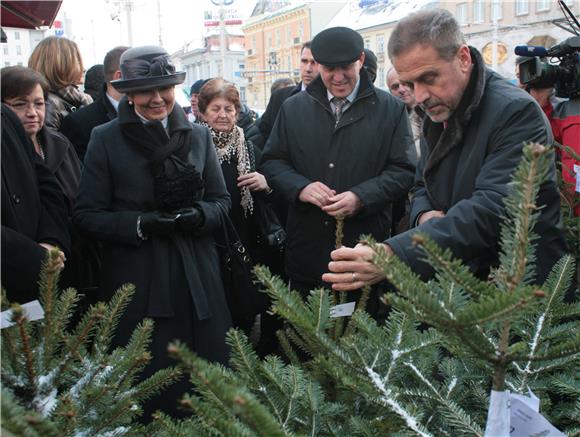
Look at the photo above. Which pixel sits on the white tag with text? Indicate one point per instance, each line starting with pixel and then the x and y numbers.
pixel 344 310
pixel 33 311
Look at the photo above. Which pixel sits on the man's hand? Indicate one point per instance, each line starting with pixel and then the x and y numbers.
pixel 343 204
pixel 316 193
pixel 352 269
pixel 61 257
pixel 426 216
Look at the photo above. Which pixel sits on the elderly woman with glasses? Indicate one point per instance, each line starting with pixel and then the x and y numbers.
pixel 153 194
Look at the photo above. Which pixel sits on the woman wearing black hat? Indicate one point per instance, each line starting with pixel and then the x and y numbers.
pixel 152 192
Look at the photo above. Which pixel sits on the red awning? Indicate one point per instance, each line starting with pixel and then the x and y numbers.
pixel 29 14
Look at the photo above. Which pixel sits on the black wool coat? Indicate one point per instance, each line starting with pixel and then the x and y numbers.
pixel 77 126
pixel 370 152
pixel 266 122
pixel 465 171
pixel 116 187
pixel 33 211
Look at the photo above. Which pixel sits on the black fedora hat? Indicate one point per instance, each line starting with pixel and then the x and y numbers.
pixel 337 46
pixel 146 67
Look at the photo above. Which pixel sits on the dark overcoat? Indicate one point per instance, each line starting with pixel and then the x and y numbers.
pixel 77 126
pixel 266 121
pixel 466 169
pixel 116 187
pixel 370 152
pixel 33 211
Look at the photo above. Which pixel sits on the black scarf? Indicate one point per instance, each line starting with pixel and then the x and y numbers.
pixel 177 182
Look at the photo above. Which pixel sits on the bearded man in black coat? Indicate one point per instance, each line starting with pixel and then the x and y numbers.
pixel 343 149
pixel 78 125
pixel 473 137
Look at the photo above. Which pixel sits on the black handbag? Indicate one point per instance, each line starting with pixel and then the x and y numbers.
pixel 236 265
pixel 271 232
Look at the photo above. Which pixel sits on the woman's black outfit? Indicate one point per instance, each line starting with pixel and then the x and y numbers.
pixel 141 172
pixel 238 156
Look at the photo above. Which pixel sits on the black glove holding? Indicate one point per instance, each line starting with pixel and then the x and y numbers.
pixel 189 220
pixel 157 223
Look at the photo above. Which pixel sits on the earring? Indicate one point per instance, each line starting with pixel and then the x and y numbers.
pixel 130 102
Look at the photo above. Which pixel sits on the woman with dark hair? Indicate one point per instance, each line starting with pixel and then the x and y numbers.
pixel 25 91
pixel 153 194
pixel 59 60
pixel 219 104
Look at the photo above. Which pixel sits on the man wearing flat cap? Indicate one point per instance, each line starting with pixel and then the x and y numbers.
pixel 341 149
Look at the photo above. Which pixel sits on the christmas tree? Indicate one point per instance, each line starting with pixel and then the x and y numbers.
pixel 427 370
pixel 59 380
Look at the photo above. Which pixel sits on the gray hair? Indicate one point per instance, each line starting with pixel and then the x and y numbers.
pixel 434 27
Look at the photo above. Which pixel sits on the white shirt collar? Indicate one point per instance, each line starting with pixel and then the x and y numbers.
pixel 114 102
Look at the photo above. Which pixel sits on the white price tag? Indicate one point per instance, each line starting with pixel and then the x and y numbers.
pixel 516 415
pixel 526 421
pixel 344 310
pixel 32 309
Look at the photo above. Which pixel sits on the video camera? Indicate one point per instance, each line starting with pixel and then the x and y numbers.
pixel 565 76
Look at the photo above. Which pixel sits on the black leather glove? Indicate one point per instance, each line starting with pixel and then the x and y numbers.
pixel 157 223
pixel 189 220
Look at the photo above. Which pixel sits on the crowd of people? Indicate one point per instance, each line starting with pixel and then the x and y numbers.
pixel 129 187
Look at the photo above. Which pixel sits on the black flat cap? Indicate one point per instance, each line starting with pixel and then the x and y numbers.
pixel 337 46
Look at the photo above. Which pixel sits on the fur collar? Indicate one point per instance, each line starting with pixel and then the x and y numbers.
pixel 441 141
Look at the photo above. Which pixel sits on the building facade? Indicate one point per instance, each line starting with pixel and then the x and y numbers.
pixel 209 61
pixel 274 41
pixel 19 45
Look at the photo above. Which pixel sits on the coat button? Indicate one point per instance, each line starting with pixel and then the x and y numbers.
pixel 16 198
pixel 326 222
pixel 331 165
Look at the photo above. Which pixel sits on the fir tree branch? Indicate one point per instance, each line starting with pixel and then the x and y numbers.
pixel 19 318
pixel 560 278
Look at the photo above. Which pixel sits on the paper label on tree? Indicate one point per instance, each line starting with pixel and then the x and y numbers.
pixel 33 311
pixel 517 415
pixel 525 419
pixel 577 171
pixel 344 310
pixel 498 416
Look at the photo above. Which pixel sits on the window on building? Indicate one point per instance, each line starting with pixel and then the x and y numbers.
pixel 461 14
pixel 522 7
pixel 478 11
pixel 269 41
pixel 368 43
pixel 254 42
pixel 381 77
pixel 543 5
pixel 301 31
pixel 17 36
pixel 278 38
pixel 5 50
pixel 243 94
pixel 288 35
pixel 496 10
pixel 290 64
pixel 380 44
pixel 18 50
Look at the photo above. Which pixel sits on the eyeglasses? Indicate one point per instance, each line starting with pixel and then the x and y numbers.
pixel 22 106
